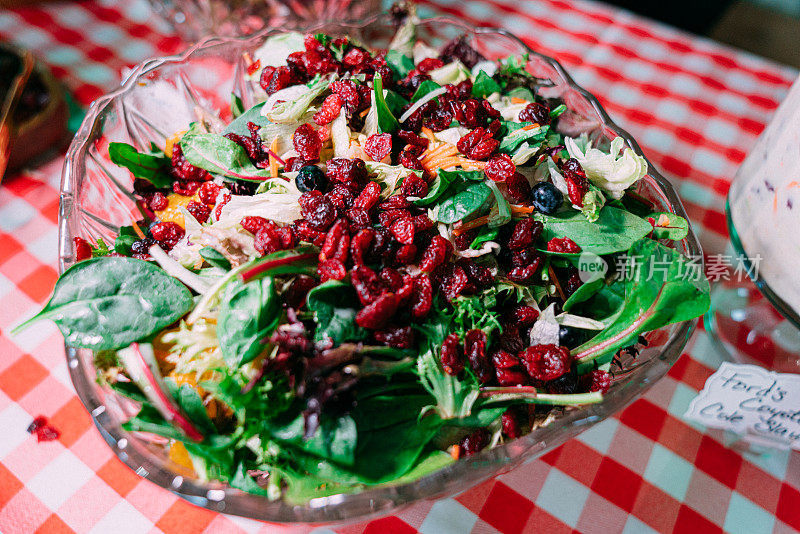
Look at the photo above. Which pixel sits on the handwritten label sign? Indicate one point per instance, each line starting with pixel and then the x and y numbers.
pixel 748 400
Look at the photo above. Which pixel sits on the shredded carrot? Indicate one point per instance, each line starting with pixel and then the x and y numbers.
pixel 445 149
pixel 521 210
pixel 443 160
pixel 530 126
pixel 471 225
pixel 517 100
pixel 137 230
pixel 446 162
pixel 428 133
pixel 364 113
pixel 555 281
pixel 273 163
pixel 455 452
pixel 247 59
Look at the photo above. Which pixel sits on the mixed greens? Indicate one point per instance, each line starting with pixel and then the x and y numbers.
pixel 390 259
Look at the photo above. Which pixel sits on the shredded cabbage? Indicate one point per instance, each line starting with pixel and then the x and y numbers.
pixel 280 207
pixel 454 72
pixel 275 49
pixel 388 176
pixel 610 171
pixel 290 111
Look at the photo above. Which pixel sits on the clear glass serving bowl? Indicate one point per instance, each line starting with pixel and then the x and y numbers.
pixel 162 96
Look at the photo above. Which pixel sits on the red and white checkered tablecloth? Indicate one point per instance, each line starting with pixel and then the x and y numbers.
pixel 695 106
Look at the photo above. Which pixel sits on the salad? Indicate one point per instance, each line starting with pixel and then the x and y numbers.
pixel 393 259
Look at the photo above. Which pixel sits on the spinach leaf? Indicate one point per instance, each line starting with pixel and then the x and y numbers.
pixel 484 234
pixel 614 231
pixel 427 464
pixel 238 126
pixel 400 63
pixel 395 102
pixel 152 166
pixel 335 306
pixel 243 481
pixel 437 188
pixel 521 92
pixel 484 85
pixel 424 88
pixel 583 293
pixel 387 123
pixel 125 239
pixel 334 440
pixel 661 288
pixel 503 214
pixel 468 200
pixel 669 226
pixel 215 258
pixel 475 176
pixel 222 156
pixel 109 303
pixel 248 315
pixel 237 106
pixel 517 136
pixel 191 404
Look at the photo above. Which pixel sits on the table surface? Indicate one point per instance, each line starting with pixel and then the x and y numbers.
pixel 695 106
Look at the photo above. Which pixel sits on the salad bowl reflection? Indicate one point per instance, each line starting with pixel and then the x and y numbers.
pixel 162 96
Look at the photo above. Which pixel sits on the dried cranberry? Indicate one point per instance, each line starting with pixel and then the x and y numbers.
pixel 459 49
pixel 439 120
pixel 341 197
pixel 367 284
pixel 266 240
pixel 83 250
pixel 221 204
pixel 573 283
pixel 346 170
pixel 274 79
pixel 141 248
pixel 376 315
pixel 337 242
pixel 359 245
pixel 305 232
pixel 478 144
pixel 295 294
pixel 355 57
pixel 330 109
pixel 399 337
pixel 391 278
pixel 510 423
pixel 437 253
pixel 563 244
pixel 465 239
pixel 535 112
pixel 406 254
pixel 525 233
pixel 183 170
pixel 510 339
pixel 186 189
pixel 500 168
pixel 421 296
pixel 451 356
pixel 306 142
pixel 546 362
pixel 475 442
pixel 157 201
pixel 409 160
pixel 295 164
pixel 414 186
pixel 577 183
pixel 208 193
pixel 319 212
pixel 519 190
pixel 524 257
pixel 525 274
pixel 475 350
pixel 286 236
pixel 429 64
pixel 167 234
pixel 478 274
pixel 348 91
pixel 422 222
pixel 43 430
pixel 601 381
pixel 461 91
pixel 403 230
pixel 378 146
pixel 396 202
pixel 524 316
pixel 199 211
pixel 413 139
pixel 453 281
pixel 331 270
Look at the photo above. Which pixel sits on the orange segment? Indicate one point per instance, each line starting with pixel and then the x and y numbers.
pixel 171 213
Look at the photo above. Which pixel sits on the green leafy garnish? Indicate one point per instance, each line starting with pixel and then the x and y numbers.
pixel 334 306
pixel 248 315
pixel 615 230
pixel 150 166
pixel 387 123
pixel 484 85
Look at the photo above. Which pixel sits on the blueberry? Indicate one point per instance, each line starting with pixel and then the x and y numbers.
pixel 570 337
pixel 311 178
pixel 546 198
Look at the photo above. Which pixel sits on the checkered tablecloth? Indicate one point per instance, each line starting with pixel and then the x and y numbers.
pixel 695 106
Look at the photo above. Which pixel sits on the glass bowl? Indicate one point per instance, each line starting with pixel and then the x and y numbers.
pixel 161 96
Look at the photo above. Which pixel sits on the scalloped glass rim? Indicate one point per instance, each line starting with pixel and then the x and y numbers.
pixel 141 457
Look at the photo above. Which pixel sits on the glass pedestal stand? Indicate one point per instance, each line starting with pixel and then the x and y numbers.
pixel 748 322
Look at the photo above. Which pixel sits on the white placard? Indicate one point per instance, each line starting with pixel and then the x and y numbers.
pixel 761 405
